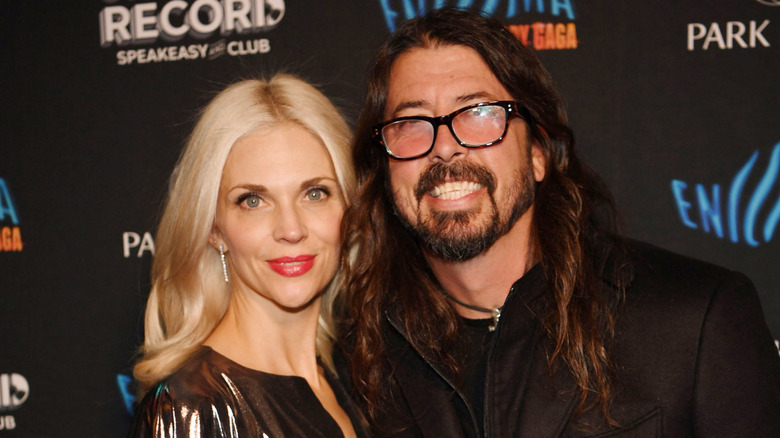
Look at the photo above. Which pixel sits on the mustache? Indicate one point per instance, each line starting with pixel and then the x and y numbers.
pixel 438 173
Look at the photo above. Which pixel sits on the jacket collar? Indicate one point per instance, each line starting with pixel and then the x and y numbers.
pixel 534 406
pixel 544 402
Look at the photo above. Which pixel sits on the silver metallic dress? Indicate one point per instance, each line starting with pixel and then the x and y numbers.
pixel 212 396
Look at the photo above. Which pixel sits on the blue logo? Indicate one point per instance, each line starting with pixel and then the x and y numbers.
pixel 10 235
pixel 7 209
pixel 125 388
pixel 415 8
pixel 753 223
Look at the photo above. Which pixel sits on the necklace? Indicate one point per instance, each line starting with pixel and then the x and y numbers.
pixel 495 312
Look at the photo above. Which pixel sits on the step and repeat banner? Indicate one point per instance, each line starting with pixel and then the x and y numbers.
pixel 676 105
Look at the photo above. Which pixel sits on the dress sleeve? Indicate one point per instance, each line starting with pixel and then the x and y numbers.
pixel 162 414
pixel 737 388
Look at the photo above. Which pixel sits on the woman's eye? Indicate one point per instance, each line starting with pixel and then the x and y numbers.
pixel 316 194
pixel 250 200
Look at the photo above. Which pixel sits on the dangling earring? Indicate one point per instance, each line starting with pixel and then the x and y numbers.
pixel 224 264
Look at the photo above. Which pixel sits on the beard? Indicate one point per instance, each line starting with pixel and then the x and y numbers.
pixel 462 235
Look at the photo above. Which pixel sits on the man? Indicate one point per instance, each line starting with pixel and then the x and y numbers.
pixel 488 294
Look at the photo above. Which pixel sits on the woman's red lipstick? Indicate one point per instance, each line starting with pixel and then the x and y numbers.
pixel 292 266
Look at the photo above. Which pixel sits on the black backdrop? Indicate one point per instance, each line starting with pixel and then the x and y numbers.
pixel 676 105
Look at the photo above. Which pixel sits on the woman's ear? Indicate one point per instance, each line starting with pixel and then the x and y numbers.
pixel 215 237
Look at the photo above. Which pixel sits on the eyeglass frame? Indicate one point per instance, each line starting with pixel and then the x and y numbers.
pixel 511 108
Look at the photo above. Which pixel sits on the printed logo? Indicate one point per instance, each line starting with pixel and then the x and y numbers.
pixel 179 21
pixel 14 391
pixel 137 243
pixel 537 34
pixel 754 222
pixel 10 234
pixel 732 35
pixel 125 384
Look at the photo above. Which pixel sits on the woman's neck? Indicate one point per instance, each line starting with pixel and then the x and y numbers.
pixel 258 334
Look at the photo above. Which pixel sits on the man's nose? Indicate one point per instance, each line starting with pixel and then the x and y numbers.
pixel 445 147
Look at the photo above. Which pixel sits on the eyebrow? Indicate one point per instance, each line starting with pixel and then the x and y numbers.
pixel 406 105
pixel 263 189
pixel 318 179
pixel 422 103
pixel 250 187
pixel 477 95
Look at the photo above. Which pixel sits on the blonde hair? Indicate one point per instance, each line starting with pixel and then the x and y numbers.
pixel 189 295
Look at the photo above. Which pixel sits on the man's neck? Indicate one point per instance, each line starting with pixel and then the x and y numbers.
pixel 485 280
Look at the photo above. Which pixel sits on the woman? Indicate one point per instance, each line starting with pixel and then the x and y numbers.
pixel 238 322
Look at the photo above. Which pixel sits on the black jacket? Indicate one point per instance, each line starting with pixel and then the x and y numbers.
pixel 693 352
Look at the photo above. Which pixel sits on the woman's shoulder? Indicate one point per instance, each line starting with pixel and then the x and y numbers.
pixel 193 398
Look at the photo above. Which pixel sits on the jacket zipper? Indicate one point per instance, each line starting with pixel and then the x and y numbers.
pixel 485 398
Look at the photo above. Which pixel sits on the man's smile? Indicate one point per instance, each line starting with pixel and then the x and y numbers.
pixel 454 189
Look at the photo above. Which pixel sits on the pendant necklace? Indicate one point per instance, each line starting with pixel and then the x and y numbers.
pixel 494 312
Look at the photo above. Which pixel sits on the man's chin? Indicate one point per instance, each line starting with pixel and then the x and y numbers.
pixel 457 241
pixel 457 249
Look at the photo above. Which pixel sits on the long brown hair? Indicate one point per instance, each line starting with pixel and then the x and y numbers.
pixel 572 212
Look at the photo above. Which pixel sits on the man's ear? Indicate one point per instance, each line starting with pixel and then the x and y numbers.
pixel 538 163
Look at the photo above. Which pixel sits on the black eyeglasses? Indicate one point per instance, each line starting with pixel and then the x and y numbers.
pixel 473 126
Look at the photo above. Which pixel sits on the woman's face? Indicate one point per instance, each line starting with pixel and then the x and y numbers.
pixel 278 216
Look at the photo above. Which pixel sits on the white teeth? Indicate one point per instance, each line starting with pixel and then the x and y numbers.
pixel 454 190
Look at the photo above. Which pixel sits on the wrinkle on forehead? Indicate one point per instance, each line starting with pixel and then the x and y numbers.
pixel 464 99
pixel 438 80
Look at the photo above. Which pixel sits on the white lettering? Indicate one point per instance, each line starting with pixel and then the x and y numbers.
pixel 144 25
pixel 275 13
pixel 735 35
pixel 184 53
pixel 755 33
pixel 177 8
pixel 129 240
pixel 14 390
pixel 143 22
pixel 114 21
pixel 250 47
pixel 147 244
pixel 133 240
pixel 162 53
pixel 7 422
pixel 132 55
pixel 202 49
pixel 178 53
pixel 215 14
pixel 714 35
pixel 695 32
pixel 236 18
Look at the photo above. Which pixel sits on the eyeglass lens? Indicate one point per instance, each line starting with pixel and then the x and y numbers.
pixel 473 127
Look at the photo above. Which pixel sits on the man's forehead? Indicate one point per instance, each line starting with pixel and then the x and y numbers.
pixel 442 76
pixel 465 98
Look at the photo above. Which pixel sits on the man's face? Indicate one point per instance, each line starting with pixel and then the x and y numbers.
pixel 458 200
